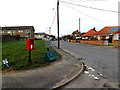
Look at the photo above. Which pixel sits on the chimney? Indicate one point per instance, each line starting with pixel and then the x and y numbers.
pixel 94 29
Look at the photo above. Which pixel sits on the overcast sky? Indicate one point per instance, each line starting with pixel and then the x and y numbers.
pixel 40 14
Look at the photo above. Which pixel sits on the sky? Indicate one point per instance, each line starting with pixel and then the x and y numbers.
pixel 42 14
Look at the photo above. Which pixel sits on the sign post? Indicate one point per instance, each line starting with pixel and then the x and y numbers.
pixel 30 47
pixel 47 44
pixel 30 57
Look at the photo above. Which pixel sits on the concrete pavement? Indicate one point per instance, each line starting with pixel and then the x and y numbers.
pixel 52 76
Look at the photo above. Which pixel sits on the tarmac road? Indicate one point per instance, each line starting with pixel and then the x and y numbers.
pixel 103 60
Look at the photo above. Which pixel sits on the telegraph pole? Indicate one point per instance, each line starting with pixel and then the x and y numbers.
pixel 49 30
pixel 58 23
pixel 79 30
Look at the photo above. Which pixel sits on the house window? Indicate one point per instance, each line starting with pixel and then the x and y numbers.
pixel 20 31
pixel 0 31
pixel 115 36
pixel 75 35
pixel 98 37
pixel 9 32
pixel 107 37
pixel 26 31
pixel 119 37
pixel 26 36
pixel 14 31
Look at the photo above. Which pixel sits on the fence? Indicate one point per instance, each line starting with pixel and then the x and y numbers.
pixel 4 38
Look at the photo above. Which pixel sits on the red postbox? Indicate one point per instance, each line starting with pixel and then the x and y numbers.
pixel 30 44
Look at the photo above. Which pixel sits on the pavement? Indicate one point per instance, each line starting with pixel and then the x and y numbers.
pixel 55 75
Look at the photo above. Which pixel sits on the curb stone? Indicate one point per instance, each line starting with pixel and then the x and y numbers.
pixel 66 81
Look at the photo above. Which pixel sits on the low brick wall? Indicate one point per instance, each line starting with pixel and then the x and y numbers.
pixel 95 42
pixel 116 43
pixel 74 41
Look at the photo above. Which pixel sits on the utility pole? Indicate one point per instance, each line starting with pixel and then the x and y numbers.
pixel 79 30
pixel 58 23
pixel 49 30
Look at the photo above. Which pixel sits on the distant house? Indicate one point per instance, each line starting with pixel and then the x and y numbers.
pixel 106 33
pixel 22 31
pixel 89 34
pixel 76 34
pixel 40 35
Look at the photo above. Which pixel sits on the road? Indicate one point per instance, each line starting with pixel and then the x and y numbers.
pixel 103 60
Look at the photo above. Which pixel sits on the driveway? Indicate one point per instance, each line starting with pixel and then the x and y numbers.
pixel 102 59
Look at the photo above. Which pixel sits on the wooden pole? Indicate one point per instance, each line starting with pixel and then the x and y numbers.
pixel 58 23
pixel 79 30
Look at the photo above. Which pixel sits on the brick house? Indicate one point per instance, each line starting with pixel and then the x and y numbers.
pixel 116 39
pixel 88 34
pixel 23 31
pixel 106 33
pixel 40 35
pixel 76 34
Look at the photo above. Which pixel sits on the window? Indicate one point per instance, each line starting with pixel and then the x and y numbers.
pixel 98 37
pixel 0 31
pixel 107 37
pixel 26 36
pixel 119 37
pixel 9 32
pixel 20 31
pixel 115 36
pixel 26 31
pixel 14 31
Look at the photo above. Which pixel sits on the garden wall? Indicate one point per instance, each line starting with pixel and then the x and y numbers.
pixel 116 43
pixel 95 42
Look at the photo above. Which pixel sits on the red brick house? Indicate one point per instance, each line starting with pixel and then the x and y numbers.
pixel 89 34
pixel 106 33
pixel 116 39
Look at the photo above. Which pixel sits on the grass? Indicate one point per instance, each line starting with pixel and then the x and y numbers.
pixel 17 55
pixel 110 44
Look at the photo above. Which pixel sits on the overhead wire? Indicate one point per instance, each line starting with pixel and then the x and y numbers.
pixel 50 17
pixel 53 19
pixel 86 14
pixel 90 7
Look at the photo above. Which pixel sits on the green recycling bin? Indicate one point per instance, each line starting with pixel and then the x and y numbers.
pixel 50 55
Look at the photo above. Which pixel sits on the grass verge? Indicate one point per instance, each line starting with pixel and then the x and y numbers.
pixel 18 56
